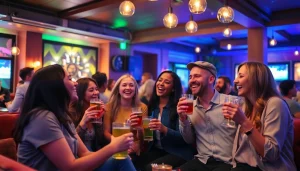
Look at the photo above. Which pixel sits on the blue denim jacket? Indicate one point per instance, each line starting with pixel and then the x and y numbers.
pixel 172 142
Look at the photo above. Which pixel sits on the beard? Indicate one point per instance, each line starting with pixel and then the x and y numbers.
pixel 202 88
pixel 223 89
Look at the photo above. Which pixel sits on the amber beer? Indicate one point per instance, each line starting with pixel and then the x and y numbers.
pixel 148 134
pixel 139 113
pixel 96 102
pixel 118 130
pixel 189 103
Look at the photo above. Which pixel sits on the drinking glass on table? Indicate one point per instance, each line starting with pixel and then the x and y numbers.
pixel 119 129
pixel 97 102
pixel 234 100
pixel 189 102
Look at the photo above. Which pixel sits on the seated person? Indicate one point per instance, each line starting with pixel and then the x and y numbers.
pixel 288 91
pixel 4 95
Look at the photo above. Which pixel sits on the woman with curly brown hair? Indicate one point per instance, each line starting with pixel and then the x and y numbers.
pixel 264 138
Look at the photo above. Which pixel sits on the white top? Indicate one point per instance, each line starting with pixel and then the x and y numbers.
pixel 19 97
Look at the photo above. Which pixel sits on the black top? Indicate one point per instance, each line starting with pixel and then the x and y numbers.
pixel 6 96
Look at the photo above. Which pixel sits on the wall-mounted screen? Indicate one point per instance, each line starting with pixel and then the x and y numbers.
pixel 5 46
pixel 297 71
pixel 182 72
pixel 79 61
pixel 6 70
pixel 280 71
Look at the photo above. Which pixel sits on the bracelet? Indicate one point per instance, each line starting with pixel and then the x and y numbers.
pixel 249 132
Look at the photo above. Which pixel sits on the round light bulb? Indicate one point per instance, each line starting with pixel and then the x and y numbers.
pixel 228 46
pixel 197 6
pixel 273 42
pixel 296 53
pixel 225 14
pixel 191 27
pixel 197 49
pixel 127 8
pixel 170 20
pixel 15 51
pixel 227 32
pixel 37 63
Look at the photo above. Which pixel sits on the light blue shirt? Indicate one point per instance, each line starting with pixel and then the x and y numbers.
pixel 204 127
pixel 19 97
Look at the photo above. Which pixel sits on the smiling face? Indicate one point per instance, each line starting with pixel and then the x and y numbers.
pixel 199 80
pixel 91 92
pixel 242 82
pixel 70 86
pixel 164 85
pixel 127 88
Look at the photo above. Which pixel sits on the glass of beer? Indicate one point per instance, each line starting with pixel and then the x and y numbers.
pixel 234 100
pixel 119 129
pixel 139 113
pixel 189 103
pixel 148 134
pixel 96 102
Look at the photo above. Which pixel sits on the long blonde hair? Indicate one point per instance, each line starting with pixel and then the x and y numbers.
pixel 115 97
pixel 263 88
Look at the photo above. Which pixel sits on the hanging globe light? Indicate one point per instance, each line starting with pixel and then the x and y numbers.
pixel 15 51
pixel 296 53
pixel 191 26
pixel 225 14
pixel 197 6
pixel 229 47
pixel 273 42
pixel 170 20
pixel 227 32
pixel 197 49
pixel 127 8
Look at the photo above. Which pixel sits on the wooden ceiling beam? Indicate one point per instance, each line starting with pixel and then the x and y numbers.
pixel 204 27
pixel 284 34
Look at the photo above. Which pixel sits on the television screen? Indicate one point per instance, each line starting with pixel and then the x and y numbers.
pixel 6 71
pixel 280 71
pixel 297 71
pixel 5 46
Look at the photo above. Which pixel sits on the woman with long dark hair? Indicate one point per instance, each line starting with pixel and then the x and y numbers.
pixel 45 133
pixel 168 146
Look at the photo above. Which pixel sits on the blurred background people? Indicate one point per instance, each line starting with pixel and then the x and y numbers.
pixel 223 85
pixel 288 90
pixel 101 80
pixel 110 86
pixel 145 77
pixel 4 95
pixel 147 91
pixel 26 75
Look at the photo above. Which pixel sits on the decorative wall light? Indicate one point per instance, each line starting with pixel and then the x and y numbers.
pixel 273 41
pixel 197 6
pixel 191 26
pixel 229 47
pixel 225 14
pixel 296 53
pixel 15 51
pixel 170 20
pixel 127 8
pixel 197 49
pixel 227 32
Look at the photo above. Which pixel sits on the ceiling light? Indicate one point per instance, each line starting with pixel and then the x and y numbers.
pixel 197 49
pixel 15 51
pixel 225 14
pixel 296 53
pixel 191 26
pixel 197 6
pixel 170 20
pixel 273 41
pixel 228 46
pixel 127 8
pixel 227 32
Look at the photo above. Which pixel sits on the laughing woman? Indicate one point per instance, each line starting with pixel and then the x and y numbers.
pixel 264 138
pixel 168 146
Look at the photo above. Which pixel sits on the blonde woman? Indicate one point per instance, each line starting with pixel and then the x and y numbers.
pixel 264 138
pixel 123 97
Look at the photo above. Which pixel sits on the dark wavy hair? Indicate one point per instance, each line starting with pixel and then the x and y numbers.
pixel 173 98
pixel 46 91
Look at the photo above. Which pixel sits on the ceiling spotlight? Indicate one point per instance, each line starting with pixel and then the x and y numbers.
pixel 127 8
pixel 197 49
pixel 296 53
pixel 197 6
pixel 227 32
pixel 228 46
pixel 191 26
pixel 225 14
pixel 170 20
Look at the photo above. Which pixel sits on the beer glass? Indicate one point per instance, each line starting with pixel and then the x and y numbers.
pixel 119 129
pixel 139 113
pixel 148 134
pixel 234 100
pixel 96 102
pixel 189 102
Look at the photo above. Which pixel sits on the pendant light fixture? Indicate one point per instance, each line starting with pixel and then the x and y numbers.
pixel 15 51
pixel 273 41
pixel 197 49
pixel 225 14
pixel 227 32
pixel 191 26
pixel 229 46
pixel 127 8
pixel 170 20
pixel 197 6
pixel 296 53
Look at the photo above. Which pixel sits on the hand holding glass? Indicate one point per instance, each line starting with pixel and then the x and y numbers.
pixel 234 100
pixel 119 129
pixel 138 111
pixel 189 103
pixel 97 102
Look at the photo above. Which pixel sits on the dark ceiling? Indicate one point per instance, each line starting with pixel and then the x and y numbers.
pixel 281 17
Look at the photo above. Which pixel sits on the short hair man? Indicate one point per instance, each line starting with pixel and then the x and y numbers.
pixel 214 142
pixel 101 80
pixel 145 77
pixel 288 90
pixel 4 95
pixel 26 75
pixel 223 85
